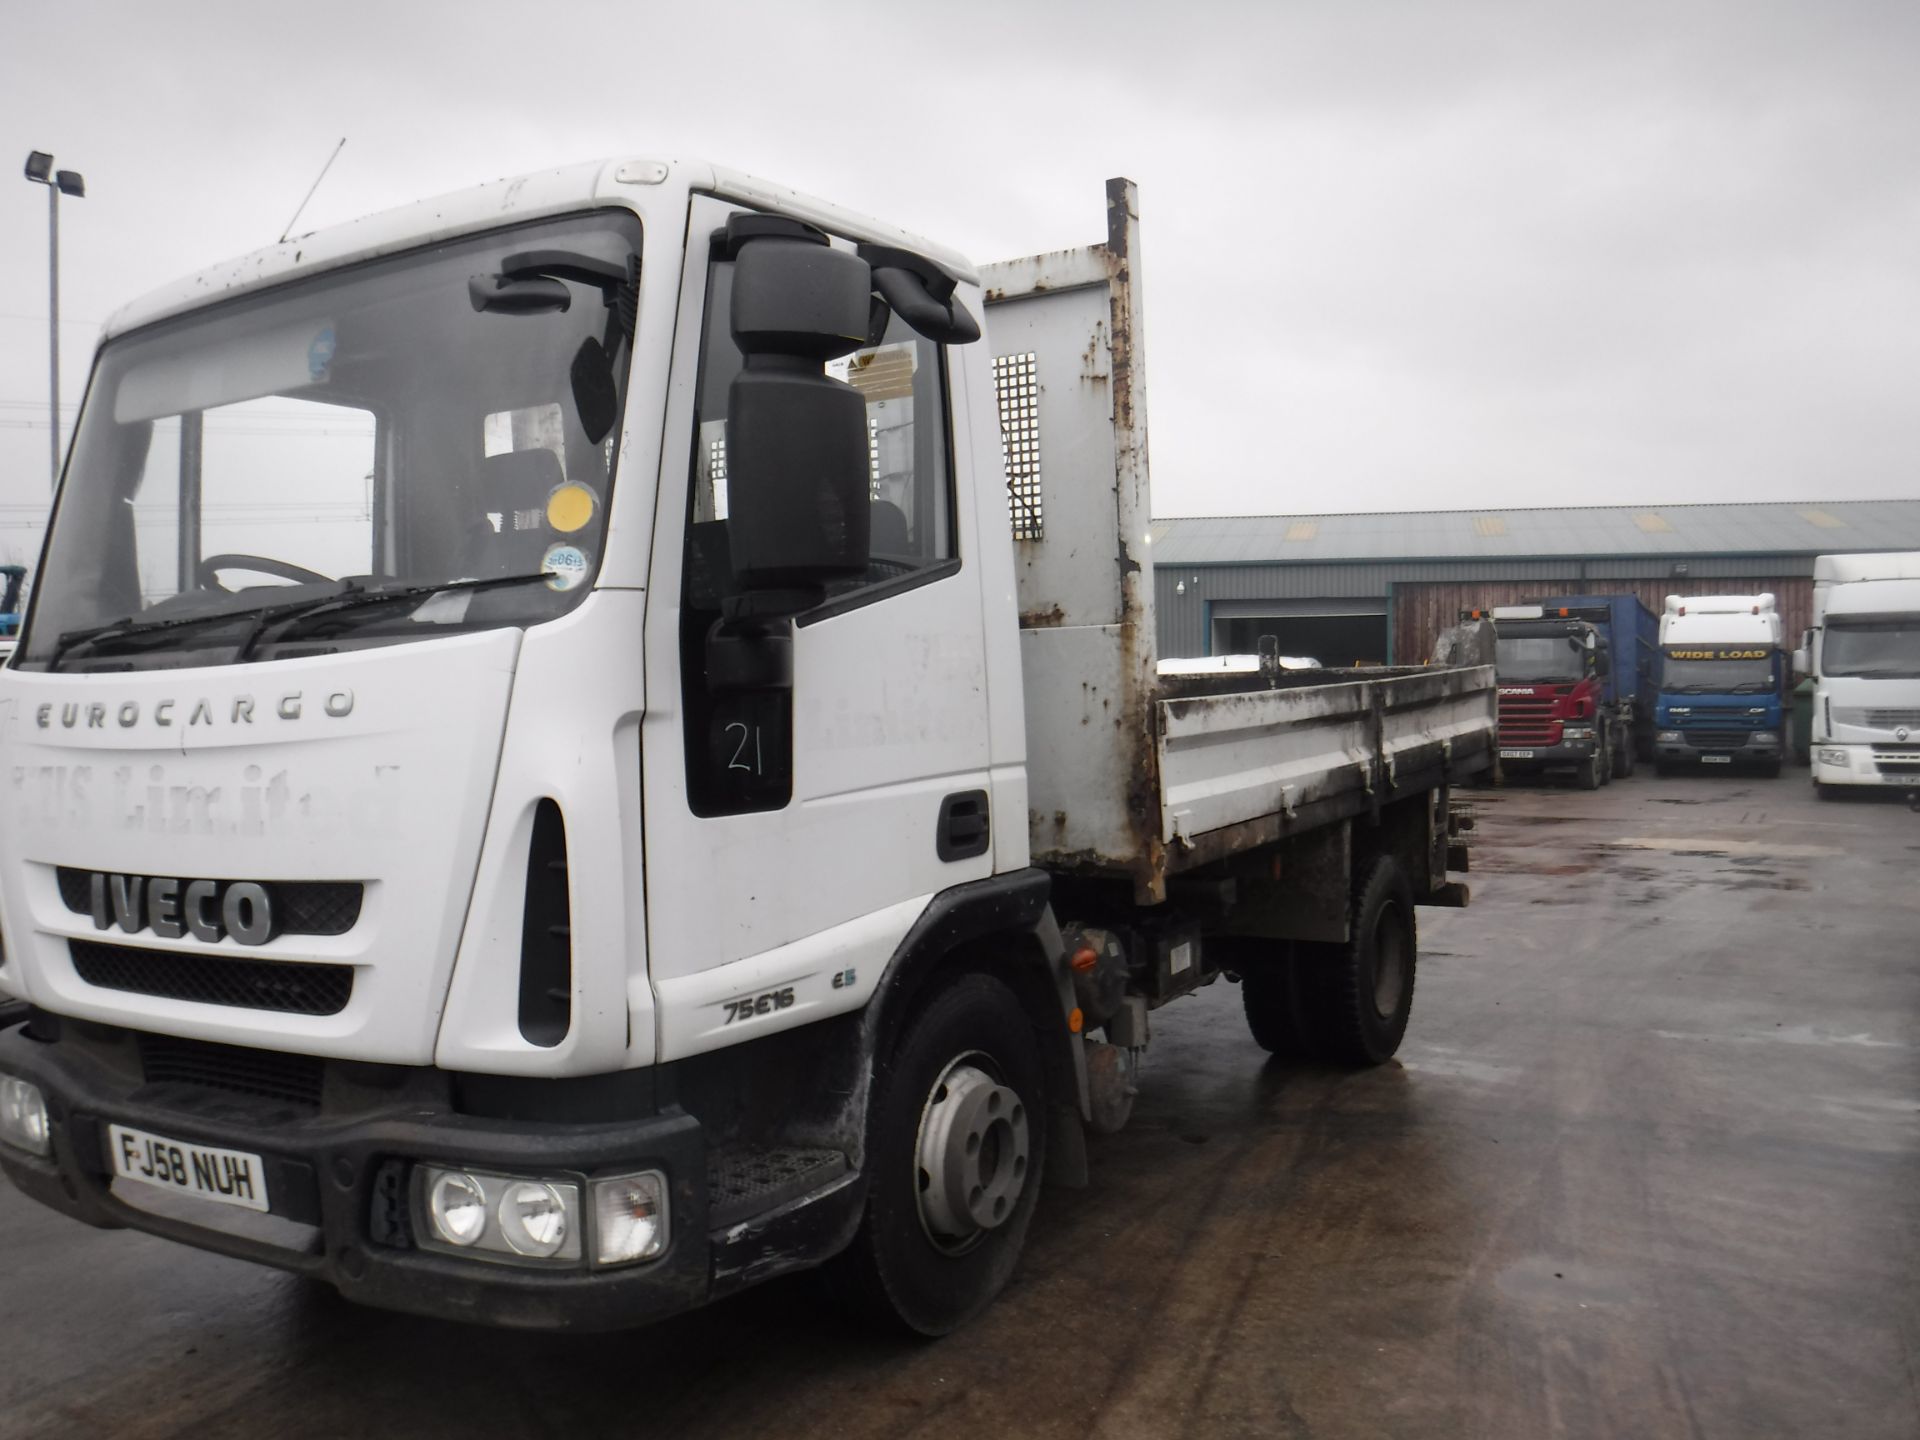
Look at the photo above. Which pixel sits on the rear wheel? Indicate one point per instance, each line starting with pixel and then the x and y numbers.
pixel 1346 1003
pixel 1623 757
pixel 956 1140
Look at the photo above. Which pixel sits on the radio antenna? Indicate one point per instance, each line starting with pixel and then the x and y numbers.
pixel 315 186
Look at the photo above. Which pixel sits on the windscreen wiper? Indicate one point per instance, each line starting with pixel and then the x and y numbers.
pixel 357 598
pixel 129 625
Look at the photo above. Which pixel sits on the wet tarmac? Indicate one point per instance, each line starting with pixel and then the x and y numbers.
pixel 1649 1166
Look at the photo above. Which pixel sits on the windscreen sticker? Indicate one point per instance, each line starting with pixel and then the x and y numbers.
pixel 320 354
pixel 566 566
pixel 570 507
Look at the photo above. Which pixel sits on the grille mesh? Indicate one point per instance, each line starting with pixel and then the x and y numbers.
pixel 295 989
pixel 300 907
pixel 1718 739
pixel 263 1074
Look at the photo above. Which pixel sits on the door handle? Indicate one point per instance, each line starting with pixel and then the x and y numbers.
pixel 963 831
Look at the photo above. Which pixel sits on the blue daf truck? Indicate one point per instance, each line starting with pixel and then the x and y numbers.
pixel 1723 683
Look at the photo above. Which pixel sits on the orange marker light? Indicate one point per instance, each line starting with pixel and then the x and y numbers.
pixel 1075 1020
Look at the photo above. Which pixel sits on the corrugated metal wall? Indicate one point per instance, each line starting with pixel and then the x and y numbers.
pixel 1181 622
pixel 1422 610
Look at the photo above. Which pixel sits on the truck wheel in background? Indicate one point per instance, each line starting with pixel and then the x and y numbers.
pixel 956 1142
pixel 1274 998
pixel 1770 770
pixel 1623 758
pixel 1597 771
pixel 1360 994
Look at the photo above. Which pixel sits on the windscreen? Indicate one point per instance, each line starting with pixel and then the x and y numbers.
pixel 1684 674
pixel 1885 648
pixel 312 467
pixel 1539 657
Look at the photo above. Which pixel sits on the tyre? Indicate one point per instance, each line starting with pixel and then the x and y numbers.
pixel 1826 792
pixel 1594 773
pixel 1770 770
pixel 1623 758
pixel 1358 996
pixel 956 1142
pixel 1271 995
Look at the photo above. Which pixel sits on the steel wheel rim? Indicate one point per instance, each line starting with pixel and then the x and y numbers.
pixel 972 1154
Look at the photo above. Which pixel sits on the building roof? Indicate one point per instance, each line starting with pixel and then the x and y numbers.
pixel 1812 528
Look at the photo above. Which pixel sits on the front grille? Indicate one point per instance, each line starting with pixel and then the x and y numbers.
pixel 1897 759
pixel 295 989
pixel 262 1074
pixel 1876 719
pixel 1717 739
pixel 300 907
pixel 1528 720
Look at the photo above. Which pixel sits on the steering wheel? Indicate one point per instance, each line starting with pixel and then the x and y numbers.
pixel 206 571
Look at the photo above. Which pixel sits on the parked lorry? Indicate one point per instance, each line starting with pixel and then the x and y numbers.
pixel 1723 684
pixel 12 579
pixel 1577 677
pixel 717 814
pixel 1863 652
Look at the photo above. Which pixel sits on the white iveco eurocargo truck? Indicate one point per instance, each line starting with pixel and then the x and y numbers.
pixel 584 744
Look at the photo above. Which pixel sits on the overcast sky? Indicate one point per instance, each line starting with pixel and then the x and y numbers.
pixel 1397 256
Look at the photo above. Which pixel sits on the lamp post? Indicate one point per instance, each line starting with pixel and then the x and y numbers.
pixel 58 182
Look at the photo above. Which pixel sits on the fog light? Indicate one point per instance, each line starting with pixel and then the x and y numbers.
pixel 630 1218
pixel 458 1209
pixel 1669 737
pixel 23 1116
pixel 533 1220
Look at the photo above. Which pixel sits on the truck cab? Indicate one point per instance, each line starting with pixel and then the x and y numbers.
pixel 1723 680
pixel 1863 652
pixel 1571 673
pixel 583 744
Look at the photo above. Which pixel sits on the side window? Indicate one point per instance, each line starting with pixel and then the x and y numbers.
pixel 910 492
pixel 739 741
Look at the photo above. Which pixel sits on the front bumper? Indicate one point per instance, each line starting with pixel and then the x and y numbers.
pixel 1564 754
pixel 337 1180
pixel 1690 751
pixel 1878 765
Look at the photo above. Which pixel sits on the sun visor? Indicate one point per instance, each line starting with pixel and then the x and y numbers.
pixel 247 367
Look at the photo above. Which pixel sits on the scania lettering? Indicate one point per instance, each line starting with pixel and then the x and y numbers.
pixel 658 780
pixel 1864 654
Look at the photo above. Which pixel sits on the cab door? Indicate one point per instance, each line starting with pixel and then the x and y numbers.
pixel 793 836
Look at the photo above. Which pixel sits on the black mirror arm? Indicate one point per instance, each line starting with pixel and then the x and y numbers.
pixel 944 321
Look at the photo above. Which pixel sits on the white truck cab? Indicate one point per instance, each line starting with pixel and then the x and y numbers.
pixel 1864 654
pixel 590 742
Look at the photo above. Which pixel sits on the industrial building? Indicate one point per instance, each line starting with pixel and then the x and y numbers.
pixel 1377 589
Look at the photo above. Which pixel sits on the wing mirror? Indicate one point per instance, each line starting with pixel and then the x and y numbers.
pixel 797 458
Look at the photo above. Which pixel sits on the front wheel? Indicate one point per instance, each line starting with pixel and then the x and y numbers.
pixel 1594 773
pixel 956 1140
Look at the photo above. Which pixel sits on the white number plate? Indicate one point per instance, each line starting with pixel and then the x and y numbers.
pixel 230 1177
pixel 1716 759
pixel 1516 754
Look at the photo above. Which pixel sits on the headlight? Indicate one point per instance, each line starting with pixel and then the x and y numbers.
pixel 630 1218
pixel 1834 757
pixel 1578 732
pixel 23 1116
pixel 1669 737
pixel 1766 737
pixel 511 1218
